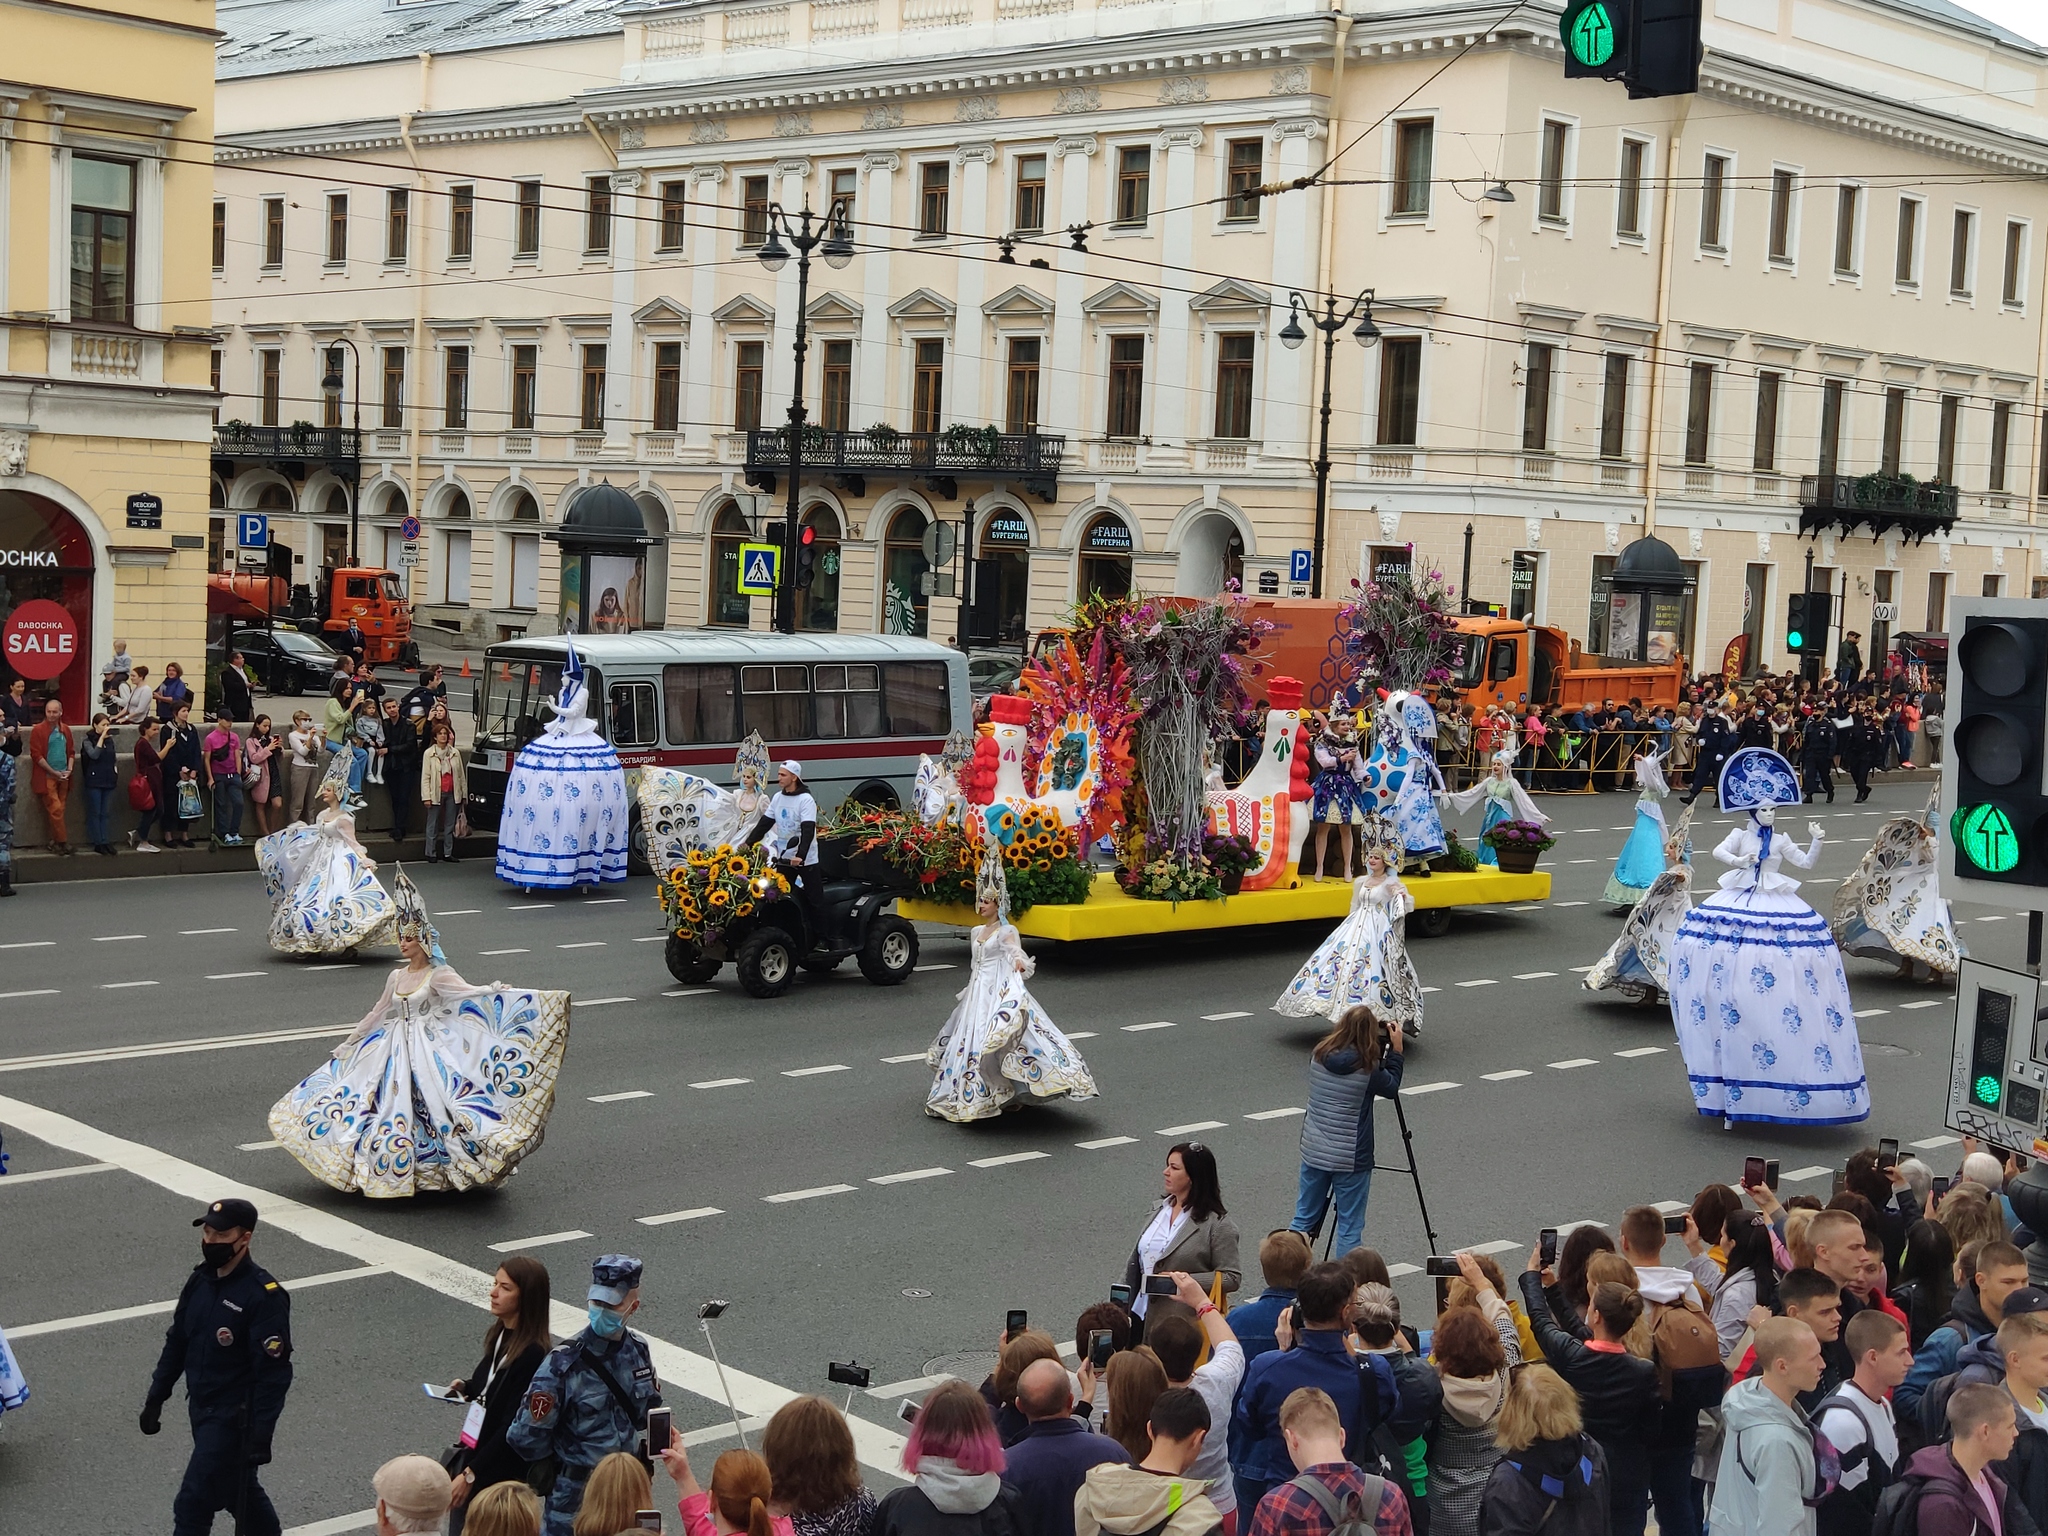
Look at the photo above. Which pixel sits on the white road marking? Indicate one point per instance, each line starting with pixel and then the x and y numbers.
pixel 1418 1089
pixel 1801 1175
pixel 1276 1114
pixel 602 901
pixel 539 906
pixel 1218 1018
pixel 1582 969
pixel 910 1388
pixel 1396 1271
pixel 817 1071
pixel 1671 1207
pixel 338 1525
pixel 1192 1126
pixel 1931 1142
pixel 1081 1034
pixel 681 1369
pixel 117 938
pixel 117 986
pixel 1576 1061
pixel 1926 1002
pixel 1582 861
pixel 338 965
pixel 1138 1029
pixel 1105 1141
pixel 1534 975
pixel 1533 907
pixel 1432 989
pixel 183 933
pixel 620 1098
pixel 599 1002
pixel 235 975
pixel 461 912
pixel 1005 1161
pixel 653 938
pixel 55 1173
pixel 544 1240
pixel 1641 1050
pixel 910 1176
pixel 257 1146
pixel 584 944
pixel 36 992
pixel 1487 982
pixel 696 1214
pixel 1498 1245
pixel 722 1082
pixel 1994 919
pixel 691 992
pixel 165 1048
pixel 164 1308
pixel 496 952
pixel 942 965
pixel 43 943
pixel 1870 1013
pixel 1572 904
pixel 808 1194
pixel 1509 1075
pixel 897 1061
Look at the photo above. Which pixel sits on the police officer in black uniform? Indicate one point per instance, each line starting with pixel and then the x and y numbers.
pixel 231 1339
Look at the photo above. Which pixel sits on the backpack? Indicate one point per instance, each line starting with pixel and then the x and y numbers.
pixel 1349 1519
pixel 1687 1352
pixel 1898 1507
pixel 1853 1507
pixel 1934 1401
pixel 1372 1445
pixel 1553 1489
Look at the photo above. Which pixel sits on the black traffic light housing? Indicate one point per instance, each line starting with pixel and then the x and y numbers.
pixel 806 557
pixel 1992 785
pixel 1651 46
pixel 1807 615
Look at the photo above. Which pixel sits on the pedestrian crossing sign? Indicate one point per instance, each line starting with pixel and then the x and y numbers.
pixel 760 569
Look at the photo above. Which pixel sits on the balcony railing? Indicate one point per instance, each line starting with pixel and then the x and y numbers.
pixel 239 440
pixel 1883 501
pixel 942 458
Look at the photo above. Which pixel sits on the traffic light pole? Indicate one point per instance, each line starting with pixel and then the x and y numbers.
pixel 1811 666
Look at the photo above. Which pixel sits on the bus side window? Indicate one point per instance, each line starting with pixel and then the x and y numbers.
pixel 917 698
pixel 848 700
pixel 776 701
pixel 632 715
pixel 699 704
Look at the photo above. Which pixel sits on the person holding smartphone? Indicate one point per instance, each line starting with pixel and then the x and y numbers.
pixel 1190 1228
pixel 514 1346
pixel 1358 1061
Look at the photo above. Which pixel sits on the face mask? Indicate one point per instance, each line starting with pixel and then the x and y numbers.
pixel 605 1323
pixel 217 1254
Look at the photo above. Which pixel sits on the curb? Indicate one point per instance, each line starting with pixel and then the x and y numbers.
pixel 39 867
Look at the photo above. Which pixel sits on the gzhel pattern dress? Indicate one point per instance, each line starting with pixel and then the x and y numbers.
pixel 1759 997
pixel 325 897
pixel 1891 908
pixel 1637 964
pixel 1364 960
pixel 442 1086
pixel 998 1046
pixel 567 820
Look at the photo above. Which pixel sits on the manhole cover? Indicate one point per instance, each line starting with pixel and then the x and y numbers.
pixel 971 1365
pixel 1880 1048
pixel 917 1295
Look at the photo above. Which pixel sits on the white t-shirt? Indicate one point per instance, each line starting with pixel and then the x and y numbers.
pixel 789 813
pixel 1845 1432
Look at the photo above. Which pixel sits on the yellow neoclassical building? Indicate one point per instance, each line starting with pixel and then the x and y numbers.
pixel 106 403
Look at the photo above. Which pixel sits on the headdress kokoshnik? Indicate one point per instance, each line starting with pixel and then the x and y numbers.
pixel 991 882
pixel 413 922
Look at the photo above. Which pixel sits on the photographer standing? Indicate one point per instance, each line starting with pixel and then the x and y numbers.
pixel 1347 1070
pixel 231 1340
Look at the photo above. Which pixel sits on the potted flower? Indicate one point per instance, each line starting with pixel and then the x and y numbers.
pixel 1231 857
pixel 1516 844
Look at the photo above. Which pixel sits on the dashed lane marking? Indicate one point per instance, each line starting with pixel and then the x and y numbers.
pixel 1532 907
pixel 697 1213
pixel 1498 1245
pixel 1801 1175
pixel 183 933
pixel 1641 1050
pixel 165 1048
pixel 1396 1271
pixel 117 986
pixel 461 912
pixel 539 906
pixel 337 965
pixel 1081 1034
pixel 1192 1126
pixel 1106 1141
pixel 1484 982
pixel 584 944
pixel 35 944
pixel 620 1098
pixel 691 992
pixel 722 1082
pixel 1582 969
pixel 653 938
pixel 787 1196
pixel 941 965
pixel 1508 1076
pixel 1930 1143
pixel 602 901
pixel 542 1241
pixel 599 1002
pixel 163 1308
pixel 257 1146
pixel 1870 1013
pixel 118 938
pixel 1993 919
pixel 235 975
pixel 1671 1207
pixel 910 1175
pixel 1276 1114
pixel 55 1173
pixel 1576 1061
pixel 837 1066
pixel 1004 1162
pixel 897 1061
pixel 1534 975
pixel 1572 904
pixel 1582 861
pixel 1218 1018
pixel 1416 1090
pixel 1927 1002
pixel 33 992
pixel 1136 1029
pixel 1432 989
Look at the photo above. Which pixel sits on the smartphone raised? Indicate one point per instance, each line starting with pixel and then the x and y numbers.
pixel 1546 1246
pixel 1015 1322
pixel 1841 1183
pixel 1888 1152
pixel 1752 1172
pixel 1771 1173
pixel 647 1520
pixel 660 1430
pixel 908 1410
pixel 1441 1266
pixel 1674 1226
pixel 1101 1345
pixel 1160 1285
pixel 442 1394
pixel 1120 1295
pixel 1940 1185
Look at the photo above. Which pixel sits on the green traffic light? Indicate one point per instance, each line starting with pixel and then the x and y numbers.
pixel 1986 1089
pixel 1591 38
pixel 1986 837
pixel 1796 640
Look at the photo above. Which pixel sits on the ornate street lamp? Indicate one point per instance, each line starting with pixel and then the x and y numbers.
pixel 1291 337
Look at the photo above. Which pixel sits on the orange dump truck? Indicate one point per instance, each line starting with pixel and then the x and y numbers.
pixel 371 595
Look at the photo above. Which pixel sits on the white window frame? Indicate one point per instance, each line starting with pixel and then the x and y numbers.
pixel 1389 151
pixel 535 258
pixel 1916 283
pixel 1155 168
pixel 1223 223
pixel 1213 329
pixel 1725 251
pixel 2019 306
pixel 1565 225
pixel 1560 363
pixel 1968 297
pixel 1857 237
pixel 1716 403
pixel 1789 262
pixel 1105 331
pixel 1647 191
pixel 1374 367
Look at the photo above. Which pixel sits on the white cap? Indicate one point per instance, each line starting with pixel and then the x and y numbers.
pixel 791 766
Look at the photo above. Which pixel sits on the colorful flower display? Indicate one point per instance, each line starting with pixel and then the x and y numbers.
pixel 712 888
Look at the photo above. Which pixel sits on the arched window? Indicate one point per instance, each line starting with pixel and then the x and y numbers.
pixel 456 506
pixel 1106 557
pixel 728 531
pixel 274 498
pixel 906 606
pixel 817 606
pixel 334 528
pixel 1002 578
pixel 524 508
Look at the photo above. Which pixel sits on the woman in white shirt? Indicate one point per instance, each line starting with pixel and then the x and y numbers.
pixel 1190 1232
pixel 137 698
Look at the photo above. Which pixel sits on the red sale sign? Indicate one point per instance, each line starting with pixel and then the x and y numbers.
pixel 39 640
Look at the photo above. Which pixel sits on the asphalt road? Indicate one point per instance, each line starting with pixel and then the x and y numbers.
pixel 145 1029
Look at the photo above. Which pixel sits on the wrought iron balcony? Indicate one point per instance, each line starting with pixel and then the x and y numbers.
pixel 294 446
pixel 940 459
pixel 1883 502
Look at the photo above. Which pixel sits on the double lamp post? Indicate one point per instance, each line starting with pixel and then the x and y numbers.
pixel 1291 337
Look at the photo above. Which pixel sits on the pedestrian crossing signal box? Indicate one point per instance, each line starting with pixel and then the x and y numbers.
pixel 760 569
pixel 1994 772
pixel 1998 1086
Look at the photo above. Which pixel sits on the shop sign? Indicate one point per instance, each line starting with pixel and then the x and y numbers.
pixel 1110 536
pixel 145 510
pixel 1269 583
pixel 40 639
pixel 36 559
pixel 1006 528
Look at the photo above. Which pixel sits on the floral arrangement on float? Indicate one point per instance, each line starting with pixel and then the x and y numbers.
pixel 937 861
pixel 1516 844
pixel 1231 857
pixel 1398 634
pixel 711 887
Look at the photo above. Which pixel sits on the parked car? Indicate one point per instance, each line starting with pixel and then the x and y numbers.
pixel 991 672
pixel 284 660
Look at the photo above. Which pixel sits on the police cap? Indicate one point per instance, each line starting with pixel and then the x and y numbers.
pixel 226 1215
pixel 613 1278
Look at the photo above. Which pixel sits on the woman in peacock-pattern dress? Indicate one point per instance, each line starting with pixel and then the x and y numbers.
pixel 325 898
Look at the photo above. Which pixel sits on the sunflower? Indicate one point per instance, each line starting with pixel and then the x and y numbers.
pixel 678 878
pixel 1007 821
pixel 782 884
pixel 736 865
pixel 721 898
pixel 1043 866
pixel 743 909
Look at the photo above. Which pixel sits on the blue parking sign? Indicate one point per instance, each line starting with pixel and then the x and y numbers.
pixel 252 530
pixel 1301 565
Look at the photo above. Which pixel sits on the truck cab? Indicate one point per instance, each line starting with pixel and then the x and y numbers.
pixel 375 599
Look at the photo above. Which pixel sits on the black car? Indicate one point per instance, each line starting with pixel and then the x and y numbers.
pixel 282 660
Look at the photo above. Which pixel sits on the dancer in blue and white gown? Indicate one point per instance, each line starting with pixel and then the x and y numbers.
pixel 567 821
pixel 1758 994
pixel 13 1385
pixel 1505 800
pixel 998 1049
pixel 325 898
pixel 681 812
pixel 1402 777
pixel 441 1086
pixel 1642 856
pixel 1637 964
pixel 1891 908
pixel 1365 958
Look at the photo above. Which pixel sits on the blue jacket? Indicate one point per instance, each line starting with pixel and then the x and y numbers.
pixel 1253 1323
pixel 1046 1467
pixel 1937 1357
pixel 1336 1133
pixel 1258 1451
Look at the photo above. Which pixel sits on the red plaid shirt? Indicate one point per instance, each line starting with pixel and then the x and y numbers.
pixel 1291 1510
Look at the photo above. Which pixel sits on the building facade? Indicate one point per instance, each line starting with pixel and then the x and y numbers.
pixel 524 241
pixel 105 404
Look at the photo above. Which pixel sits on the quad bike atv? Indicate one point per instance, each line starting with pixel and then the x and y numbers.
pixel 856 918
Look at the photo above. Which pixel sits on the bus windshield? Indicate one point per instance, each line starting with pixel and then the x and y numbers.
pixel 516 698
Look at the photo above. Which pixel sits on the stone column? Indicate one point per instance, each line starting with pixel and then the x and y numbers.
pixel 1173 392
pixel 621 356
pixel 965 397
pixel 871 369
pixel 702 355
pixel 1297 222
pixel 1060 408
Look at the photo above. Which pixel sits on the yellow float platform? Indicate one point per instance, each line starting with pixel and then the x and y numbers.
pixel 1109 914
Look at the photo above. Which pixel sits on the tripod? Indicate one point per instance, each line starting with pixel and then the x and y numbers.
pixel 1412 1168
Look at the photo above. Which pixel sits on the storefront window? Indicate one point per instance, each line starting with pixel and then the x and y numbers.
pixel 1106 558
pixel 1002 578
pixel 728 532
pixel 906 607
pixel 817 606
pixel 46 557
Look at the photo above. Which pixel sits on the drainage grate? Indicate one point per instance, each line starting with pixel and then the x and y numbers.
pixel 970 1365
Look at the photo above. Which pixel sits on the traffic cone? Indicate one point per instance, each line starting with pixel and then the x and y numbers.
pixel 465 666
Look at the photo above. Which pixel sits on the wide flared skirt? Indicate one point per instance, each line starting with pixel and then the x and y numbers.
pixel 1496 813
pixel 324 897
pixel 1763 1015
pixel 567 819
pixel 1362 962
pixel 1417 820
pixel 451 1100
pixel 1337 799
pixel 1641 862
pixel 1899 915
pixel 1638 962
pixel 998 1050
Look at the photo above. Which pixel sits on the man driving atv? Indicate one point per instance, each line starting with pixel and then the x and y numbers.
pixel 792 814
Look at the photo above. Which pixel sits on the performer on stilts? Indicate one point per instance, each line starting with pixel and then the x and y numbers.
pixel 1758 994
pixel 1891 908
pixel 1365 958
pixel 442 1086
pixel 1505 800
pixel 1637 963
pixel 325 898
pixel 567 821
pixel 1642 856
pixel 998 1049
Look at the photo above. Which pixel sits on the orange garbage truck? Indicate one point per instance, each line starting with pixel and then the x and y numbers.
pixel 372 596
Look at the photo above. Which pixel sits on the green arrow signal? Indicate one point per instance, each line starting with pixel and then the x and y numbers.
pixel 1591 38
pixel 1985 835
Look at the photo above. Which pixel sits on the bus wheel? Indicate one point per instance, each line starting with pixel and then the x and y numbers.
pixel 890 953
pixel 875 796
pixel 1434 921
pixel 687 963
pixel 637 862
pixel 766 962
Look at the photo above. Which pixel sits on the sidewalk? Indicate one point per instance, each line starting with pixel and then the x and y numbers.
pixel 38 866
